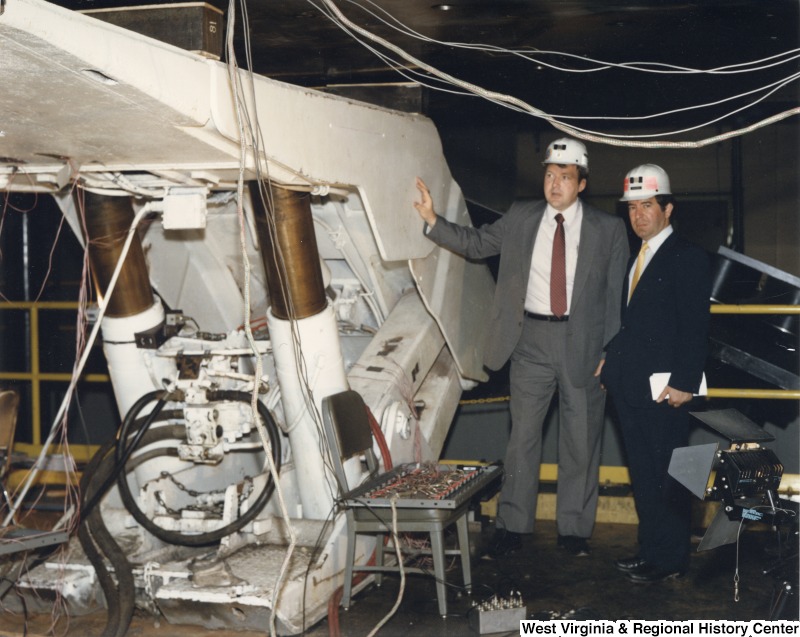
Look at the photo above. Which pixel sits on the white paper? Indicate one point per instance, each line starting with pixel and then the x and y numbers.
pixel 660 380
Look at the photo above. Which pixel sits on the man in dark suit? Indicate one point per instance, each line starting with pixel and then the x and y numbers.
pixel 554 334
pixel 665 317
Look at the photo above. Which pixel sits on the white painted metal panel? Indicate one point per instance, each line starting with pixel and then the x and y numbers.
pixel 157 93
pixel 170 110
pixel 458 293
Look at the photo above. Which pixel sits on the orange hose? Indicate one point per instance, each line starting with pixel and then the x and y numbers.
pixel 336 598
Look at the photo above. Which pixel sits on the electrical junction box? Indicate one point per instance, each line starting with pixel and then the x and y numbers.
pixel 497 615
pixel 194 26
pixel 184 209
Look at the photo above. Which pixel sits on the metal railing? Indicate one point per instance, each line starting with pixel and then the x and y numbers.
pixel 34 377
pixel 770 394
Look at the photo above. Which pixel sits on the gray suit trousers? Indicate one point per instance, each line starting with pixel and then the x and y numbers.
pixel 538 370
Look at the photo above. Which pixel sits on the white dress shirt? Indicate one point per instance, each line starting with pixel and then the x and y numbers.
pixel 537 298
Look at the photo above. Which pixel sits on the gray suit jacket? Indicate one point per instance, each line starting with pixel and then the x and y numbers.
pixel 595 305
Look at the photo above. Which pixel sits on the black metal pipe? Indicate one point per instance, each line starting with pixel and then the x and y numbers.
pixel 737 196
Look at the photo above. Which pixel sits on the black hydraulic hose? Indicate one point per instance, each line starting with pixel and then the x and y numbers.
pixel 95 538
pixel 97 542
pixel 122 457
pixel 210 537
pixel 92 545
pixel 124 450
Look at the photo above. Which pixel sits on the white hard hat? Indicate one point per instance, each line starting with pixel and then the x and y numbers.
pixel 645 181
pixel 567 151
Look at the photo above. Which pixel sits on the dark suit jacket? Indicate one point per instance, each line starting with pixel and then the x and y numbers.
pixel 599 273
pixel 664 327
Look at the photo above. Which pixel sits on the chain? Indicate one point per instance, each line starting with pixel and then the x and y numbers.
pixel 216 509
pixel 147 575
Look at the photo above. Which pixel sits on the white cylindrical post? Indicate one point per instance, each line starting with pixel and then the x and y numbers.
pixel 133 374
pixel 321 371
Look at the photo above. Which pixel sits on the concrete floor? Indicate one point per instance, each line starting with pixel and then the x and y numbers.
pixel 551 583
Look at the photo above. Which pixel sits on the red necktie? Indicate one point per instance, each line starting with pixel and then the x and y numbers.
pixel 558 271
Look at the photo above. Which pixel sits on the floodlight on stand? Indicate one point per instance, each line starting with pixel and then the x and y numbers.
pixel 745 477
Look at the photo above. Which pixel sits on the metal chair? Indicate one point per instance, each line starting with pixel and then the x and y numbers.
pixel 9 407
pixel 347 429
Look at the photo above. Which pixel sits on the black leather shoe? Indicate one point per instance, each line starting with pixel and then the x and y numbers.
pixel 650 574
pixel 503 543
pixel 626 564
pixel 574 545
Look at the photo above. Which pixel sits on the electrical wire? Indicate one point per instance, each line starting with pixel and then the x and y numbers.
pixel 54 429
pixel 6 206
pixel 400 566
pixel 264 191
pixel 410 73
pixel 414 76
pixel 517 104
pixel 69 466
pixel 243 117
pixel 264 186
pixel 50 260
pixel 772 508
pixel 775 86
pixel 529 53
pixel 336 598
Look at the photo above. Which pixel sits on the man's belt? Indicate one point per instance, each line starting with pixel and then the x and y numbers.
pixel 547 317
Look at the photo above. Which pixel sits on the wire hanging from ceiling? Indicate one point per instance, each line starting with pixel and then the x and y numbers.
pixel 332 11
pixel 420 78
pixel 603 65
pixel 531 53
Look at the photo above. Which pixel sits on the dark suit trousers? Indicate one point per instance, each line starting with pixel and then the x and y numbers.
pixel 650 434
pixel 538 369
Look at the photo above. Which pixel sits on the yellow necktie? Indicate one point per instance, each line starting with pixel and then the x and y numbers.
pixel 638 270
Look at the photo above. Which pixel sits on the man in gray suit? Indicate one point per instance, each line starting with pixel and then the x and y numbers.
pixel 554 331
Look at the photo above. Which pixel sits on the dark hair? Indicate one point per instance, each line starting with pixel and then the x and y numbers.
pixel 663 200
pixel 583 173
